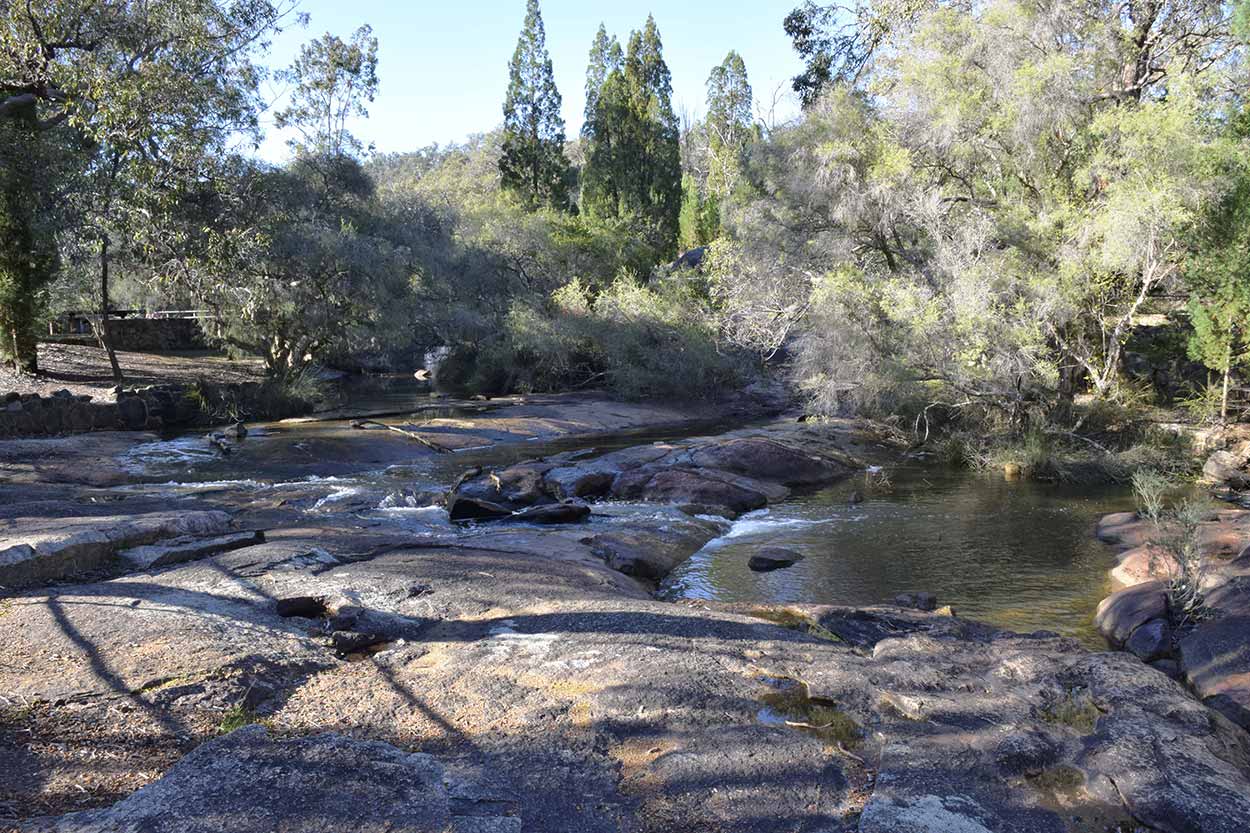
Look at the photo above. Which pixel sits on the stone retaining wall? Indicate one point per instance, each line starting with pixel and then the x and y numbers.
pixel 150 408
pixel 156 335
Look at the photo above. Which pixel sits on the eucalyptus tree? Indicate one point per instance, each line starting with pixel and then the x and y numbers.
pixel 980 209
pixel 332 81
pixel 533 164
pixel 152 89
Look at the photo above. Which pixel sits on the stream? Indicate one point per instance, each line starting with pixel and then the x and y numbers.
pixel 1017 554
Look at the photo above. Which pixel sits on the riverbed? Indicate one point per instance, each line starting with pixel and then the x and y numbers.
pixel 1014 553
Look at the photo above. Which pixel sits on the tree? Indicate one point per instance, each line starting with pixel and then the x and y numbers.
pixel 333 80
pixel 533 164
pixel 1218 279
pixel 605 58
pixel 837 43
pixel 982 216
pixel 298 264
pixel 28 247
pixel 728 126
pixel 152 88
pixel 633 169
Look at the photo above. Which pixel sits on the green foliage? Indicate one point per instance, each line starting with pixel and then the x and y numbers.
pixel 332 81
pixel 532 163
pixel 28 254
pixel 1218 277
pixel 698 220
pixel 1149 490
pixel 728 126
pixel 980 216
pixel 633 167
pixel 634 341
pixel 605 58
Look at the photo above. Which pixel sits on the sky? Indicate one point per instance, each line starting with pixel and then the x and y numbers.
pixel 443 66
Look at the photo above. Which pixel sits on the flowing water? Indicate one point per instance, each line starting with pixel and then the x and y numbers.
pixel 1017 554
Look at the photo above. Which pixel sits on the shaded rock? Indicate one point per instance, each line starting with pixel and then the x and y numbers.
pixel 187 548
pixel 460 508
pixel 552 513
pixel 248 782
pixel 917 601
pixel 682 486
pixel 1151 641
pixel 1124 611
pixel 651 553
pixel 132 412
pixel 1215 658
pixel 767 459
pixel 37 549
pixel 696 509
pixel 347 642
pixel 773 558
pixel 1027 752
pixel 307 607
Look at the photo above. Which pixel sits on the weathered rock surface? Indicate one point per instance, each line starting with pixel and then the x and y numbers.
pixel 1210 652
pixel 1124 611
pixel 179 550
pixel 43 549
pixel 729 475
pixel 558 695
pixel 249 782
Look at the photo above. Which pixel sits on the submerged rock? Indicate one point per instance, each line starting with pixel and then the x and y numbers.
pixel 773 558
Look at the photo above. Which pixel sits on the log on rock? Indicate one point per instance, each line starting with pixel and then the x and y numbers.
pixel 412 435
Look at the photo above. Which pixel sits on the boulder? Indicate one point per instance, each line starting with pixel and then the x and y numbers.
pixel 1215 658
pixel 1141 564
pixel 1151 641
pixel 132 412
pixel 651 554
pixel 552 513
pixel 773 558
pixel 249 782
pixel 917 601
pixel 762 458
pixel 1124 611
pixel 1225 467
pixel 682 486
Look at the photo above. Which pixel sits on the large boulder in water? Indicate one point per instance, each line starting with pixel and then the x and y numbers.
pixel 766 459
pixel 684 486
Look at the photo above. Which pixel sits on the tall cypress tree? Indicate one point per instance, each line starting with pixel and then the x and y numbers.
pixel 605 57
pixel 633 169
pixel 533 164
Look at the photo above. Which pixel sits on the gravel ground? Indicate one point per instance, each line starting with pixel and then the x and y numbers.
pixel 84 369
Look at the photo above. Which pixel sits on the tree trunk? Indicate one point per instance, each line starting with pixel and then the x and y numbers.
pixel 1228 367
pixel 104 330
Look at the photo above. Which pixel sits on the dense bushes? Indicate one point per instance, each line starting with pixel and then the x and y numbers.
pixel 632 340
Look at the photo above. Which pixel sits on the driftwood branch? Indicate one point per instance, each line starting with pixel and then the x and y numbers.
pixel 412 435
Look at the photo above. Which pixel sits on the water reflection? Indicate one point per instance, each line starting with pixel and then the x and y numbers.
pixel 1018 554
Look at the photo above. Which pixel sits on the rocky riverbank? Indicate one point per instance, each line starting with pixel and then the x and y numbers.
pixel 506 675
pixel 1210 653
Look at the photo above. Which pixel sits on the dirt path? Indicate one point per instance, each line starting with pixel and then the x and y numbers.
pixel 84 369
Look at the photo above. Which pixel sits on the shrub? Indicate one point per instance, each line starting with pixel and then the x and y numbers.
pixel 1149 489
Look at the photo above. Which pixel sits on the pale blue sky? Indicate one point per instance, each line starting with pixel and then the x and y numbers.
pixel 443 65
